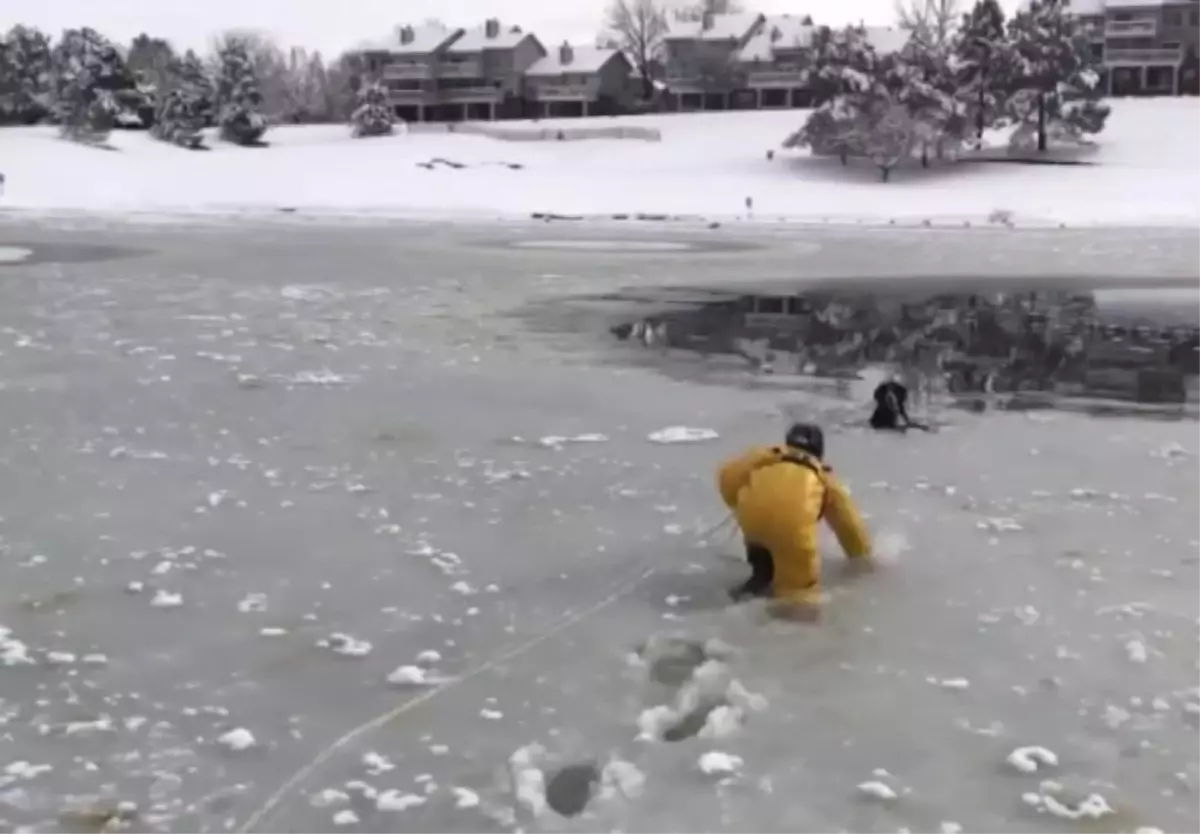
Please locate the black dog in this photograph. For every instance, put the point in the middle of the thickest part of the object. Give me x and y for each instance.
(891, 413)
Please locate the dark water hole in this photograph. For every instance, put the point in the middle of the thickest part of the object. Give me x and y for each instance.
(1107, 349)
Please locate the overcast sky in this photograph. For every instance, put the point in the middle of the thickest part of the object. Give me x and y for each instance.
(334, 25)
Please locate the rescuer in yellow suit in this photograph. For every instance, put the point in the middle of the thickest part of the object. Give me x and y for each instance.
(778, 494)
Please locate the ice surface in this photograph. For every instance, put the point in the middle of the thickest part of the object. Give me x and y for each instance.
(571, 566)
(681, 434)
(706, 164)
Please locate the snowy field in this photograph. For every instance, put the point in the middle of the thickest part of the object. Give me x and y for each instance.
(303, 529)
(1146, 172)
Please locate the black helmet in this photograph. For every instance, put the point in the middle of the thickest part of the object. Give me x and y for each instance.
(807, 437)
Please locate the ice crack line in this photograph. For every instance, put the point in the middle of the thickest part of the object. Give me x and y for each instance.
(568, 620)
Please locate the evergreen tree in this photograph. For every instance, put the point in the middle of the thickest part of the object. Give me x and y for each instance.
(1056, 80)
(924, 82)
(152, 58)
(179, 119)
(865, 112)
(373, 116)
(88, 71)
(981, 51)
(189, 76)
(25, 75)
(238, 96)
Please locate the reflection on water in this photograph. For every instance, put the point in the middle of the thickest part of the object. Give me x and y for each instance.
(1010, 349)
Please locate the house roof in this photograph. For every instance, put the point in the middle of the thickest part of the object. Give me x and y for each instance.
(724, 27)
(476, 39)
(782, 31)
(427, 38)
(584, 59)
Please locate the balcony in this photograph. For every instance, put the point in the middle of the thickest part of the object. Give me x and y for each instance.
(405, 72)
(777, 78)
(1163, 56)
(409, 97)
(460, 69)
(1144, 28)
(470, 94)
(562, 92)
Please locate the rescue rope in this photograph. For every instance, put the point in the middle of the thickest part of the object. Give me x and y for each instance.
(568, 620)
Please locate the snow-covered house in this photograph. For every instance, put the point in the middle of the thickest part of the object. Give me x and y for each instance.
(579, 81)
(482, 73)
(1148, 47)
(775, 61)
(702, 58)
(441, 72)
(407, 64)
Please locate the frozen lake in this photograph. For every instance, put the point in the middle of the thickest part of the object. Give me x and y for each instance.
(253, 472)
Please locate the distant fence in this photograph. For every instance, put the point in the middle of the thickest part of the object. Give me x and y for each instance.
(539, 134)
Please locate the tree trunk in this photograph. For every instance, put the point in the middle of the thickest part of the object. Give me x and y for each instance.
(979, 119)
(885, 172)
(1041, 122)
(647, 84)
(924, 156)
(842, 156)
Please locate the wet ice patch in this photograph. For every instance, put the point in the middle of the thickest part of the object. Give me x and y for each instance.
(890, 545)
(681, 434)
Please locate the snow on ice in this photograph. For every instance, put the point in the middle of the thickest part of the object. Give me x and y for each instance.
(237, 739)
(681, 434)
(717, 762)
(1030, 759)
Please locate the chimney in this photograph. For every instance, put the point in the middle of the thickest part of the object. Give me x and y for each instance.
(406, 34)
(491, 27)
(565, 54)
(706, 21)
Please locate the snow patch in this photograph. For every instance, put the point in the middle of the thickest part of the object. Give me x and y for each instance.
(166, 599)
(398, 801)
(529, 783)
(465, 798)
(876, 790)
(681, 434)
(14, 254)
(716, 762)
(1030, 759)
(346, 645)
(237, 740)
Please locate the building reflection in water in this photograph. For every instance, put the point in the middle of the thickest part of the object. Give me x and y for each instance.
(1060, 343)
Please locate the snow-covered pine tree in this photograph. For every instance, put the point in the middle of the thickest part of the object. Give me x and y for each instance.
(982, 60)
(189, 75)
(238, 97)
(185, 107)
(88, 70)
(1053, 67)
(866, 113)
(923, 81)
(25, 76)
(373, 116)
(1080, 108)
(840, 77)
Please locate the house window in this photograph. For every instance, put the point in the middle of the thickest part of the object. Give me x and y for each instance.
(1121, 17)
(1159, 78)
(1173, 18)
(1097, 51)
(770, 305)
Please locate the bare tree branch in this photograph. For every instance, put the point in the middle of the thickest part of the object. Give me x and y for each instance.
(931, 22)
(638, 28)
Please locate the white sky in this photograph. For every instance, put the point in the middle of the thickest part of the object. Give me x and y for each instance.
(334, 25)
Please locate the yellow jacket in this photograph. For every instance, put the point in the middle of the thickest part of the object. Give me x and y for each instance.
(778, 495)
